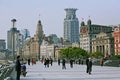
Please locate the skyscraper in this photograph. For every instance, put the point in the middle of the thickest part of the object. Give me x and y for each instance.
(71, 26)
(10, 38)
(25, 33)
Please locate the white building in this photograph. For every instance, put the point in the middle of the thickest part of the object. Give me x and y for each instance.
(47, 50)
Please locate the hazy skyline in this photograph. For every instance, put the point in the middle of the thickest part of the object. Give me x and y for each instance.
(52, 14)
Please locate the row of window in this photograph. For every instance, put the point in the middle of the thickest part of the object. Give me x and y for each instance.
(101, 41)
(117, 50)
(84, 43)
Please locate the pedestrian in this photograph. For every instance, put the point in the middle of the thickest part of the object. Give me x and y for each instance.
(45, 62)
(51, 61)
(23, 69)
(119, 63)
(79, 61)
(33, 61)
(101, 62)
(18, 68)
(29, 61)
(90, 66)
(87, 61)
(71, 63)
(82, 61)
(59, 62)
(63, 64)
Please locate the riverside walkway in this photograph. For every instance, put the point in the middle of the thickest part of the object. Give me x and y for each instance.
(78, 72)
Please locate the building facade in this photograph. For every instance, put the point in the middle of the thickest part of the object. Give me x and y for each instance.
(88, 32)
(71, 26)
(32, 45)
(17, 40)
(2, 44)
(103, 43)
(47, 50)
(117, 40)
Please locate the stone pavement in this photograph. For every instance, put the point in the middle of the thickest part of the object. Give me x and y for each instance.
(78, 72)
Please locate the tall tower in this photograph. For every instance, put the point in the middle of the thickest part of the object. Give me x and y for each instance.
(39, 36)
(39, 30)
(71, 26)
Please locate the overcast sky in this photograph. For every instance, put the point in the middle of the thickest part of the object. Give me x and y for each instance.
(52, 14)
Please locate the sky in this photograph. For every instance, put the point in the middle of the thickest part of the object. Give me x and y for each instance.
(52, 14)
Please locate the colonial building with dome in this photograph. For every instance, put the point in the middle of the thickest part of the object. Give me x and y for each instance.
(88, 32)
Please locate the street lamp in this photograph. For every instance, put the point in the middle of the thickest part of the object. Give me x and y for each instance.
(13, 37)
(28, 44)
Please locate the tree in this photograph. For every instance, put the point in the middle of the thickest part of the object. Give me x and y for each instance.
(73, 53)
(96, 54)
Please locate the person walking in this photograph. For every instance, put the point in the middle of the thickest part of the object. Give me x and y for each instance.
(87, 61)
(47, 62)
(71, 63)
(90, 66)
(28, 61)
(33, 61)
(59, 62)
(101, 62)
(51, 61)
(63, 64)
(79, 61)
(18, 68)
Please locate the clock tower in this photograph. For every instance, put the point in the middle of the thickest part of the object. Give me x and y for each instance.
(88, 32)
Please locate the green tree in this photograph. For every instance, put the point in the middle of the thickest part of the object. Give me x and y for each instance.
(73, 53)
(117, 56)
(96, 54)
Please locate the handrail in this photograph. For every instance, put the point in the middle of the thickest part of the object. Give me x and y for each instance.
(5, 71)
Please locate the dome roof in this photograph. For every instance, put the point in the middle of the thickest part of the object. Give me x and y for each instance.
(82, 23)
(89, 22)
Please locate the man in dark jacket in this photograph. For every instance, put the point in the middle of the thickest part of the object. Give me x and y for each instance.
(59, 62)
(90, 66)
(18, 68)
(87, 61)
(63, 64)
(71, 63)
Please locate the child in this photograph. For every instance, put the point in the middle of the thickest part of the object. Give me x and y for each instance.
(23, 69)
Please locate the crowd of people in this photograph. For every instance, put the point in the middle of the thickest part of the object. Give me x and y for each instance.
(21, 65)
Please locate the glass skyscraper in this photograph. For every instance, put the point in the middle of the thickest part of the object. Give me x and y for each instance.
(71, 26)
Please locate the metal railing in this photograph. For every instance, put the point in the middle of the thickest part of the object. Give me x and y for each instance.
(6, 70)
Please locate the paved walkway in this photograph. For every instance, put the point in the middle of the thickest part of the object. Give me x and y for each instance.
(78, 72)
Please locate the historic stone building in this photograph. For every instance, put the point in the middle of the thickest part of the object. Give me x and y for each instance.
(104, 43)
(47, 50)
(117, 40)
(32, 45)
(88, 32)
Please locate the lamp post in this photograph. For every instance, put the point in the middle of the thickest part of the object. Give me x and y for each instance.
(28, 44)
(20, 47)
(13, 37)
(39, 44)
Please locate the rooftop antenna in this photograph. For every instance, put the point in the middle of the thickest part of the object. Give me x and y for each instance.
(39, 16)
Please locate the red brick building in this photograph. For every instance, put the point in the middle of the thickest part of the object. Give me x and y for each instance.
(117, 41)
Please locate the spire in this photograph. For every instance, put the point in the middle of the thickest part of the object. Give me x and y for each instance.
(89, 21)
(39, 31)
(82, 23)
